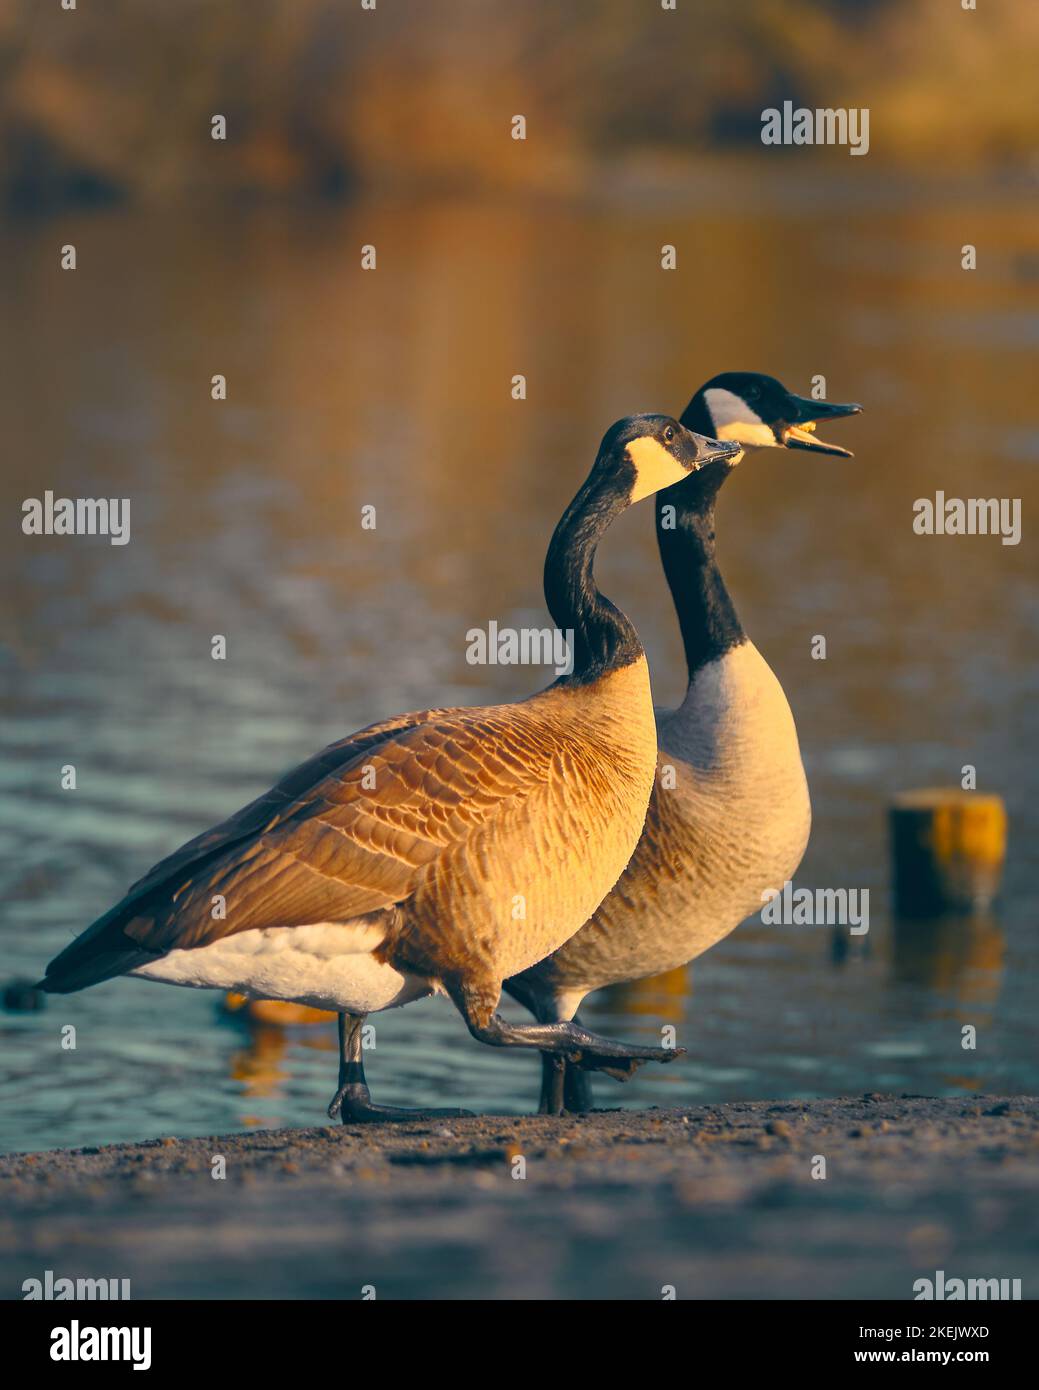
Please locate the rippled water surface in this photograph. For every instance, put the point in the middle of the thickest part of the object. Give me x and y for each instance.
(393, 389)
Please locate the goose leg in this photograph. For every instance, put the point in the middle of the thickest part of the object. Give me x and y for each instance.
(553, 1077)
(565, 1088)
(578, 1098)
(352, 1102)
(576, 1044)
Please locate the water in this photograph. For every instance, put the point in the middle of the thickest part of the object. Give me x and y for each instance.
(393, 389)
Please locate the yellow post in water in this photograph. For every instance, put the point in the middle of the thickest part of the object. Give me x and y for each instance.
(948, 848)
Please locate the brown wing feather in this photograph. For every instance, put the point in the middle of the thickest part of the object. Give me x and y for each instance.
(322, 845)
(267, 807)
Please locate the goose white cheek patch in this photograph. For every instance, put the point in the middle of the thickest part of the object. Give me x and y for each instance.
(734, 419)
(655, 467)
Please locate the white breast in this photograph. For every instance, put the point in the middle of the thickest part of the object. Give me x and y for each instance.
(734, 721)
(729, 818)
(742, 795)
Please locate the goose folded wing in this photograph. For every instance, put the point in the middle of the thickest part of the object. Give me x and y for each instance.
(344, 835)
(267, 808)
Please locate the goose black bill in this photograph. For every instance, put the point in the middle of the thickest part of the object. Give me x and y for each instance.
(797, 431)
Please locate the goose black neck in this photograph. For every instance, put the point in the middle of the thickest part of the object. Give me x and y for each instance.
(603, 638)
(685, 534)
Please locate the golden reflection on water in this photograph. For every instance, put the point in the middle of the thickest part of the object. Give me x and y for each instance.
(260, 1068)
(393, 388)
(662, 996)
(957, 956)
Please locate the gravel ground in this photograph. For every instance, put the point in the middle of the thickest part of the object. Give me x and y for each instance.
(717, 1201)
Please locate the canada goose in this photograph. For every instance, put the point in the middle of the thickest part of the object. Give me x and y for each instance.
(439, 851)
(729, 815)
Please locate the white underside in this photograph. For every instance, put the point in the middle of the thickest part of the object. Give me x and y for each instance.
(325, 965)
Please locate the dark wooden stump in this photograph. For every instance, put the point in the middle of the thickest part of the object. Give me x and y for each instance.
(948, 848)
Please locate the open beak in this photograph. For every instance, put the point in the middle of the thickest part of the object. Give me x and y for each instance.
(798, 430)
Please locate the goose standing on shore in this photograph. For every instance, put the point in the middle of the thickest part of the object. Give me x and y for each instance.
(437, 852)
(729, 815)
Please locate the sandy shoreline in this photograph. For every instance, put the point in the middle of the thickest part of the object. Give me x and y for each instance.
(718, 1201)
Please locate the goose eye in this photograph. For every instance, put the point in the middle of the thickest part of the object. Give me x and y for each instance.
(669, 434)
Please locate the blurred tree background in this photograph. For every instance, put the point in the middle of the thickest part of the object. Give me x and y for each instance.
(113, 100)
